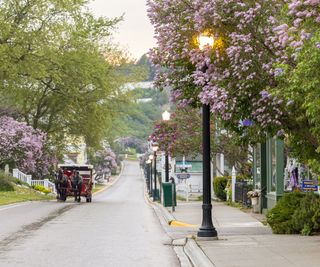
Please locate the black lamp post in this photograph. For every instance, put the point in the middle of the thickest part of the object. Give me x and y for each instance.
(207, 230)
(166, 117)
(150, 171)
(155, 148)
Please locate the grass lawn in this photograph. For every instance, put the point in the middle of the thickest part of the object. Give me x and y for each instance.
(21, 194)
(98, 187)
(132, 157)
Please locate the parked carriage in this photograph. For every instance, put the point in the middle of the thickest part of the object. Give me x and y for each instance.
(68, 182)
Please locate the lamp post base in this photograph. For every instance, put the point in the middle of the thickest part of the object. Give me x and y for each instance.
(207, 234)
(207, 229)
(155, 195)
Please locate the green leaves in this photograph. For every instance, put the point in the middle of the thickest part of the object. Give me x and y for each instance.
(55, 67)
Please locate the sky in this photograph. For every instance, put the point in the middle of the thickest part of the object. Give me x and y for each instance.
(135, 33)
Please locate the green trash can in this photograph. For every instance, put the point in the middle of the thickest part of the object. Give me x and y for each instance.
(167, 194)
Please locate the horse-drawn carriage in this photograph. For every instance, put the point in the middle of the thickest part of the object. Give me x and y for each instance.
(74, 180)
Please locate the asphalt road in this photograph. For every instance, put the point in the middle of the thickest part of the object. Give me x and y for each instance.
(117, 229)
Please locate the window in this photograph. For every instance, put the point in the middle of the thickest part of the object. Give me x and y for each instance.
(258, 166)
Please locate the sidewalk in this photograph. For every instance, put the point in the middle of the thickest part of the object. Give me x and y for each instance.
(245, 241)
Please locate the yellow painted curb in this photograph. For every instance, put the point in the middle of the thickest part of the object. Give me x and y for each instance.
(175, 223)
(107, 186)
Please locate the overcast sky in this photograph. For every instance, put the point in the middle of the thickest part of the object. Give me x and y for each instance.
(135, 33)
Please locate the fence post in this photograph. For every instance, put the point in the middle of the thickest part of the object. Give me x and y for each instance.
(29, 178)
(46, 183)
(6, 169)
(187, 190)
(15, 173)
(233, 173)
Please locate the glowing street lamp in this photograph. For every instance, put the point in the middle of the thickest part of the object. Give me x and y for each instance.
(166, 117)
(205, 39)
(150, 160)
(207, 229)
(155, 148)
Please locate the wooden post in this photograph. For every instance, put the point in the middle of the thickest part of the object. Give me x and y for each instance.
(234, 179)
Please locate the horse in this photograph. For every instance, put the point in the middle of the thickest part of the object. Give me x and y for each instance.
(61, 183)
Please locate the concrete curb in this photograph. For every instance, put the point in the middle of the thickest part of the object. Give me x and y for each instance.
(196, 254)
(166, 214)
(187, 250)
(112, 183)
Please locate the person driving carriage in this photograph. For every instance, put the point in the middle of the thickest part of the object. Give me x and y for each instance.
(77, 186)
(61, 184)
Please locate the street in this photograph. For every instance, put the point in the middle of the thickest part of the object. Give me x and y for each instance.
(118, 228)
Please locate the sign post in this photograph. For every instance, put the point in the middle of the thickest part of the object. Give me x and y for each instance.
(183, 175)
(233, 173)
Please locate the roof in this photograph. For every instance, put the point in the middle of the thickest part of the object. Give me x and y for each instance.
(76, 166)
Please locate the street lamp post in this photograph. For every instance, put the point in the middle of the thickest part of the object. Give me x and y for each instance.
(150, 190)
(148, 162)
(166, 117)
(207, 230)
(155, 148)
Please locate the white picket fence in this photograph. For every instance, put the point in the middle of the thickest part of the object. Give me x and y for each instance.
(183, 189)
(28, 179)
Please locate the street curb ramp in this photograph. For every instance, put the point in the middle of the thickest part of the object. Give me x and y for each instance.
(196, 254)
(191, 249)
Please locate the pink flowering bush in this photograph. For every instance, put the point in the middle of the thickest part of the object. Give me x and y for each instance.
(23, 147)
(181, 135)
(104, 161)
(165, 134)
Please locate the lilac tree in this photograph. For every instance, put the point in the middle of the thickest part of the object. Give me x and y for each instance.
(238, 69)
(245, 77)
(104, 161)
(23, 147)
(182, 135)
(133, 142)
(298, 81)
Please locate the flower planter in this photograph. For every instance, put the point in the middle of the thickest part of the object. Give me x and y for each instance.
(254, 201)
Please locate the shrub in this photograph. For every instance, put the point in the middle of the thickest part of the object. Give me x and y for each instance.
(6, 183)
(41, 189)
(280, 218)
(19, 182)
(219, 185)
(306, 219)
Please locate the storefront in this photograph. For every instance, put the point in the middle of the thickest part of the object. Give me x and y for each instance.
(268, 171)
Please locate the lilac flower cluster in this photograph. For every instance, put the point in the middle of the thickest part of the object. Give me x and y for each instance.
(23, 147)
(106, 159)
(165, 134)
